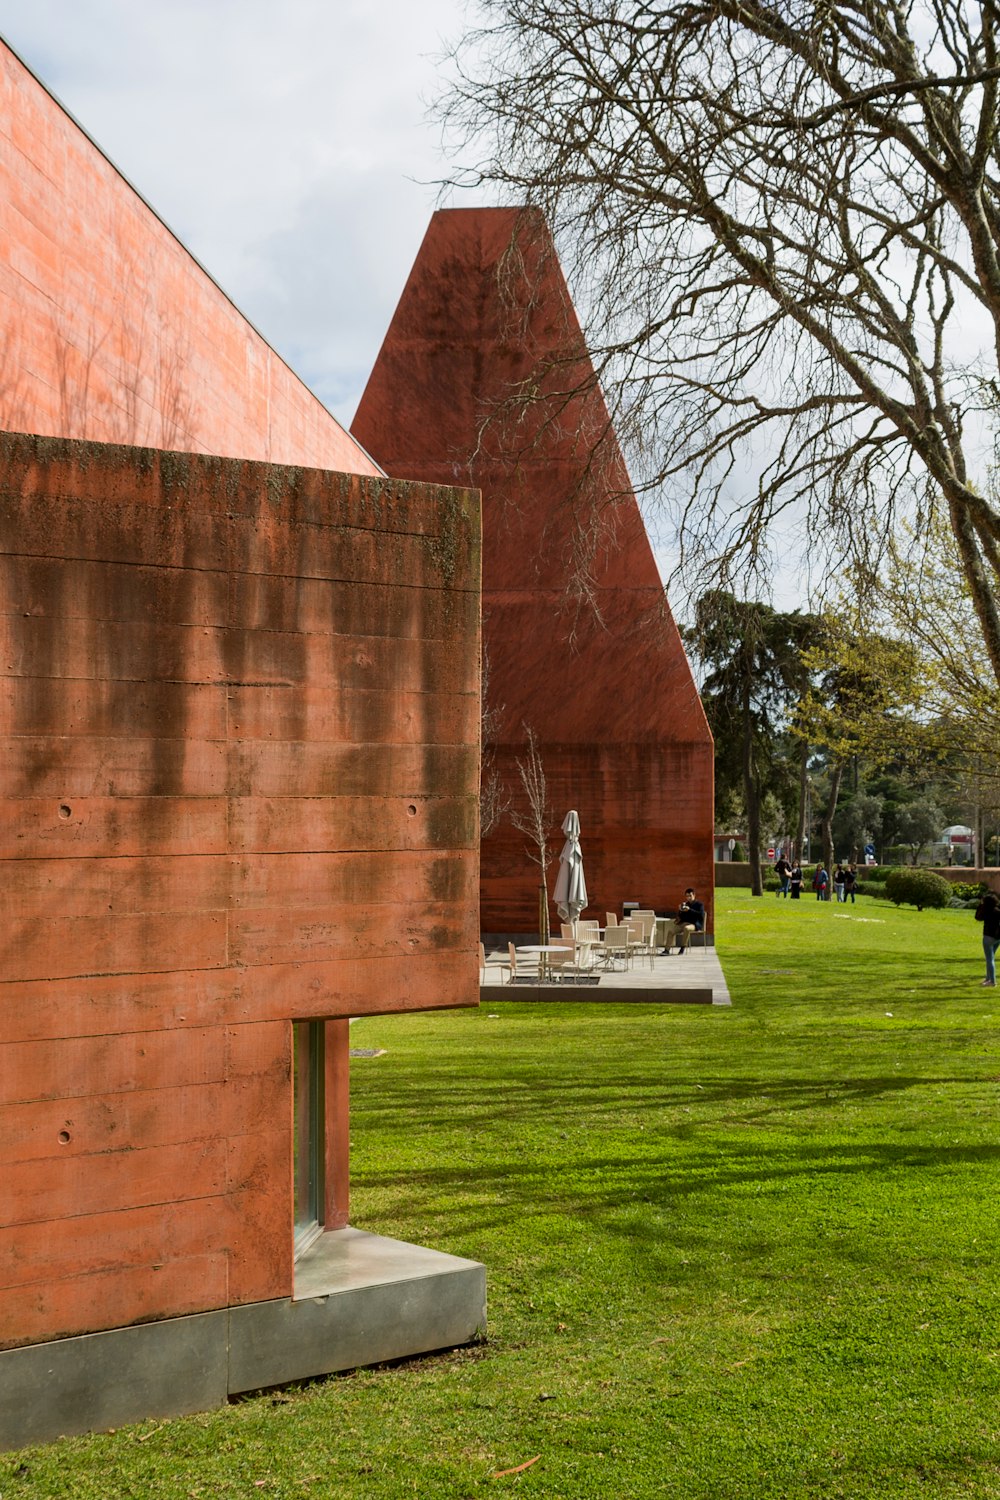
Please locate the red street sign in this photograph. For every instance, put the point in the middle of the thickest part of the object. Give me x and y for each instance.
(770, 853)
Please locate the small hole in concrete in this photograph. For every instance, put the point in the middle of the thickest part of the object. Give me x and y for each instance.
(65, 811)
(411, 810)
(64, 1137)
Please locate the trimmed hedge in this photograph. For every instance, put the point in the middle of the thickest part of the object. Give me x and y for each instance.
(968, 890)
(918, 888)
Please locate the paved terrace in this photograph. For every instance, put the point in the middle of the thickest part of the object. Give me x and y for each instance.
(694, 978)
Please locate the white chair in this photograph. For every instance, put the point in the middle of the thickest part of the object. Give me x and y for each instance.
(588, 944)
(617, 948)
(644, 943)
(511, 963)
(561, 964)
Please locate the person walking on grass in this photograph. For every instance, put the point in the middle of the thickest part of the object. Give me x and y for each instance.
(821, 882)
(795, 881)
(850, 883)
(988, 912)
(839, 880)
(783, 871)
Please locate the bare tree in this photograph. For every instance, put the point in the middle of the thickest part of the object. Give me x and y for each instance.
(536, 823)
(782, 222)
(494, 799)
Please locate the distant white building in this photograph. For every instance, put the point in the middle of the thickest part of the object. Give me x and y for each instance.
(959, 843)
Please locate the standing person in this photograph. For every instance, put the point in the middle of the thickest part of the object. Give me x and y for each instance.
(850, 882)
(839, 880)
(988, 912)
(795, 881)
(783, 871)
(821, 882)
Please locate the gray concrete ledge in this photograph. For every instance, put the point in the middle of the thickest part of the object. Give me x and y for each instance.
(100, 1380)
(567, 991)
(692, 978)
(359, 1299)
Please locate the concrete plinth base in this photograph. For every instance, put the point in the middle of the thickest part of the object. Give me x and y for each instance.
(604, 994)
(359, 1299)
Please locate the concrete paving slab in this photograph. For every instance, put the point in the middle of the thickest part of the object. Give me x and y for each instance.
(692, 978)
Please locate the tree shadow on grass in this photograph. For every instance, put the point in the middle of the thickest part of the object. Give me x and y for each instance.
(448, 1099)
(633, 1192)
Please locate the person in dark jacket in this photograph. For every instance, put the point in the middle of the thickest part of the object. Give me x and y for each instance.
(988, 912)
(690, 918)
(795, 881)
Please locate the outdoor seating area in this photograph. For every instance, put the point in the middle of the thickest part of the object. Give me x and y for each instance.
(585, 949)
(588, 967)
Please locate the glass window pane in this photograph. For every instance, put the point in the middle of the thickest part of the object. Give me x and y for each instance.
(307, 1084)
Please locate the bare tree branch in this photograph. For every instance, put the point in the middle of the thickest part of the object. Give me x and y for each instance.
(782, 226)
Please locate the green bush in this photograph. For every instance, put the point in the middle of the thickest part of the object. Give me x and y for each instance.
(739, 853)
(874, 872)
(918, 888)
(968, 890)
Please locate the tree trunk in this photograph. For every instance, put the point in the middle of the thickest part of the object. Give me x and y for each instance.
(543, 911)
(836, 776)
(751, 796)
(800, 829)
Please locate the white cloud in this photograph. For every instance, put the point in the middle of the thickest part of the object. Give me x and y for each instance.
(287, 146)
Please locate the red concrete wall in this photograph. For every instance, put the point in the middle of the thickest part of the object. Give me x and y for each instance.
(603, 680)
(238, 786)
(111, 331)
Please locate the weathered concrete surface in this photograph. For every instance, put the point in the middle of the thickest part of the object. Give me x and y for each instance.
(609, 693)
(359, 1299)
(111, 329)
(239, 709)
(103, 1380)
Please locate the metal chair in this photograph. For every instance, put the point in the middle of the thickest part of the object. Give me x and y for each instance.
(562, 965)
(617, 947)
(511, 963)
(644, 946)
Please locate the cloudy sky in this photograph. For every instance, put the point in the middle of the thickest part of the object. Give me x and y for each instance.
(287, 145)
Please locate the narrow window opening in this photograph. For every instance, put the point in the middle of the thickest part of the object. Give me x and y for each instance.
(308, 1074)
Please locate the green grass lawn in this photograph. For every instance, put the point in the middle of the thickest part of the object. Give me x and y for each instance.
(731, 1253)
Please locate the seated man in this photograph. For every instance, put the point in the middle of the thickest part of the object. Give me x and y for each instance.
(690, 918)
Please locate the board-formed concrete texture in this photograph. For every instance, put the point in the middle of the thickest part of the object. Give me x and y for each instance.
(358, 1299)
(111, 329)
(239, 710)
(607, 690)
(239, 722)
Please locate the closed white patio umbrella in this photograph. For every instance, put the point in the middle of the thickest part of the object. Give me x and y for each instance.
(570, 894)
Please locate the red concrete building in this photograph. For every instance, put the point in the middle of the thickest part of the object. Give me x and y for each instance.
(111, 329)
(579, 638)
(239, 712)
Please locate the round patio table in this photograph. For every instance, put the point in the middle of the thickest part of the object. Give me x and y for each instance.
(542, 949)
